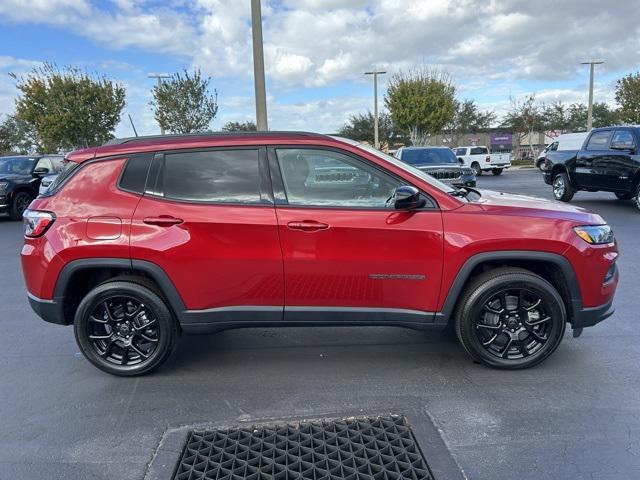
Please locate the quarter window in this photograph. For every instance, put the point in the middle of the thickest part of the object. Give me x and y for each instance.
(329, 178)
(599, 140)
(225, 176)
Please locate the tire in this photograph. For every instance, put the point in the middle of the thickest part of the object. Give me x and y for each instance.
(496, 171)
(132, 327)
(19, 204)
(518, 342)
(475, 166)
(562, 189)
(539, 164)
(637, 196)
(624, 196)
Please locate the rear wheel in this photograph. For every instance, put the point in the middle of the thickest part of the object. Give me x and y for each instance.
(496, 171)
(475, 166)
(19, 204)
(624, 196)
(125, 328)
(562, 189)
(510, 318)
(637, 197)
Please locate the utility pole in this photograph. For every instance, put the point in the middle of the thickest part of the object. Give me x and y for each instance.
(258, 67)
(376, 142)
(592, 65)
(159, 77)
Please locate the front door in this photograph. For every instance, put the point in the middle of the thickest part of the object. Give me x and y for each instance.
(621, 163)
(348, 255)
(208, 220)
(591, 162)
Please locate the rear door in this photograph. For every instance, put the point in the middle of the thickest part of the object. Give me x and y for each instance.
(207, 219)
(622, 161)
(590, 169)
(348, 255)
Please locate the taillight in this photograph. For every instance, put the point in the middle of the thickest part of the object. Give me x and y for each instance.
(488, 159)
(37, 222)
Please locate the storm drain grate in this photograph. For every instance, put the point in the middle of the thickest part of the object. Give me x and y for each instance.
(382, 448)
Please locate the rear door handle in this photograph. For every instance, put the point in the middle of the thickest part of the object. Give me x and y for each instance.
(163, 221)
(307, 225)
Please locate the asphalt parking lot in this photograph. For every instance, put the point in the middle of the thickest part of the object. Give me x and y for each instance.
(575, 416)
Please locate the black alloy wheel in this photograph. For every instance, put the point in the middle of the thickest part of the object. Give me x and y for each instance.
(21, 201)
(124, 328)
(510, 318)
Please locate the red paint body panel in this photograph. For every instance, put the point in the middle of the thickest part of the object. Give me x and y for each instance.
(233, 255)
(220, 255)
(365, 258)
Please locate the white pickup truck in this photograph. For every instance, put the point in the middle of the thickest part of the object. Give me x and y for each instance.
(480, 160)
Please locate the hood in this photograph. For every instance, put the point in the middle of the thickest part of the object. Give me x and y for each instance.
(515, 204)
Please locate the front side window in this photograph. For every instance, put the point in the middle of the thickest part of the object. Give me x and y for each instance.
(599, 140)
(225, 176)
(316, 177)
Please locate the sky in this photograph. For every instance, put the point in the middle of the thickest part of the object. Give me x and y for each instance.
(316, 51)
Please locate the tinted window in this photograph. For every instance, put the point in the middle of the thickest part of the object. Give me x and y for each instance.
(213, 176)
(328, 178)
(461, 152)
(553, 147)
(599, 140)
(622, 139)
(479, 151)
(428, 156)
(135, 172)
(16, 165)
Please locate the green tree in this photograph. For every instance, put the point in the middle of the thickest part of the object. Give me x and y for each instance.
(628, 98)
(68, 108)
(573, 118)
(16, 137)
(524, 117)
(468, 118)
(239, 127)
(183, 103)
(361, 127)
(421, 102)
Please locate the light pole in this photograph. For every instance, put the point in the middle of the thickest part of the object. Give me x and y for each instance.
(159, 77)
(592, 65)
(376, 142)
(258, 67)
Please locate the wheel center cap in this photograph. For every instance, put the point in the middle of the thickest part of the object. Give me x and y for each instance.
(512, 323)
(123, 330)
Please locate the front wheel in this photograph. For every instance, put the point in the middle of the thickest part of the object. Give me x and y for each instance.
(496, 171)
(19, 204)
(124, 328)
(624, 196)
(510, 318)
(562, 189)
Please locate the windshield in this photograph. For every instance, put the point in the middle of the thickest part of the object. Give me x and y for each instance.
(400, 164)
(16, 165)
(428, 156)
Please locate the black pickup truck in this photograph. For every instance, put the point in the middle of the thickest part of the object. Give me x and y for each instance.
(609, 161)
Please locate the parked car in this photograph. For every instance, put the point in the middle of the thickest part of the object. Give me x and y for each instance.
(20, 178)
(608, 161)
(480, 160)
(201, 233)
(439, 162)
(49, 179)
(566, 141)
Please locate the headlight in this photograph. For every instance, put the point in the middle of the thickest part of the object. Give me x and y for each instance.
(595, 234)
(3, 186)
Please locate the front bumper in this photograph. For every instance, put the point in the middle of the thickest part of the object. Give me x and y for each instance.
(588, 317)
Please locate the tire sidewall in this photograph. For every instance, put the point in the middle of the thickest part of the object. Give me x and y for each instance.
(151, 302)
(637, 197)
(14, 214)
(473, 308)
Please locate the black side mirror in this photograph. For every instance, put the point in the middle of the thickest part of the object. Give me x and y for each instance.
(408, 198)
(460, 160)
(41, 171)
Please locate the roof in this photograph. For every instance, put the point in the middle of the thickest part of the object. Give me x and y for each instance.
(131, 145)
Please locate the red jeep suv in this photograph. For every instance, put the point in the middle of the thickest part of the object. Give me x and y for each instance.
(145, 238)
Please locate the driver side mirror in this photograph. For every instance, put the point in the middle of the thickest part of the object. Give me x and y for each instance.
(460, 160)
(41, 171)
(408, 198)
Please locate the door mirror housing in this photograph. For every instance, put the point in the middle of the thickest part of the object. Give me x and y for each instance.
(407, 197)
(461, 160)
(41, 171)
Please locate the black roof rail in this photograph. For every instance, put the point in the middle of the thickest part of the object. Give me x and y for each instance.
(121, 141)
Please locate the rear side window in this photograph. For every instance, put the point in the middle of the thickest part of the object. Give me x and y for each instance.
(224, 176)
(134, 176)
(622, 139)
(479, 151)
(599, 140)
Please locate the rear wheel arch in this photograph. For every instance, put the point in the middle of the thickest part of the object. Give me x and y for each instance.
(554, 268)
(79, 277)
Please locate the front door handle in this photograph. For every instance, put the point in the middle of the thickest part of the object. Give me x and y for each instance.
(307, 226)
(163, 221)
